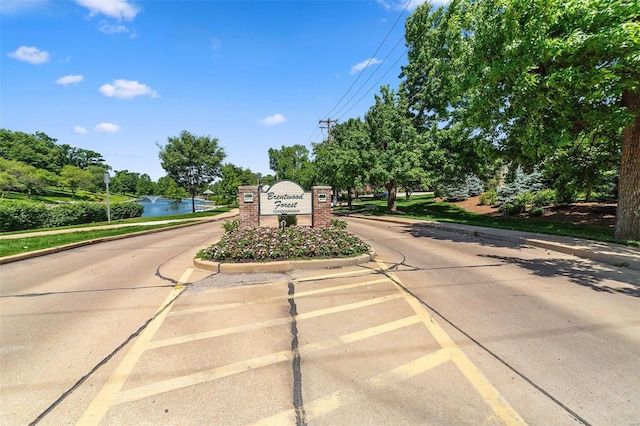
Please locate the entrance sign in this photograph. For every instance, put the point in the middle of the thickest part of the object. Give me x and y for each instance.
(285, 197)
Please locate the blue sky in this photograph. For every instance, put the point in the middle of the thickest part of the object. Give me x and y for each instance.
(118, 76)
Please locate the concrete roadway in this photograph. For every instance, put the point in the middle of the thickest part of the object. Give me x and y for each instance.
(442, 329)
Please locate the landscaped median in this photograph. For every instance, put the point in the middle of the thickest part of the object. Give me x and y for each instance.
(280, 250)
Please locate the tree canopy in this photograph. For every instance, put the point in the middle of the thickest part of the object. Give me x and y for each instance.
(534, 82)
(292, 163)
(192, 161)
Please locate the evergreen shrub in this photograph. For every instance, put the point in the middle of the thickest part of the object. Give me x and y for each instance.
(21, 215)
(520, 183)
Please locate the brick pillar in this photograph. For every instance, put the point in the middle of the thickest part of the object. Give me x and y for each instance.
(249, 206)
(321, 204)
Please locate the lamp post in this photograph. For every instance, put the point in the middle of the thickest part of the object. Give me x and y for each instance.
(107, 178)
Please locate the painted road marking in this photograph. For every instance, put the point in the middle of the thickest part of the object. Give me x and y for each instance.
(263, 361)
(270, 323)
(335, 400)
(109, 392)
(112, 393)
(274, 298)
(490, 394)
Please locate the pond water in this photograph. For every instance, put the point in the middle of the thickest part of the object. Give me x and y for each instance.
(165, 207)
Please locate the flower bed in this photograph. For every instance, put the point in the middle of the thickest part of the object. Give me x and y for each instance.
(269, 244)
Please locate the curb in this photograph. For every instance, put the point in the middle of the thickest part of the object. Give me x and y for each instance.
(281, 265)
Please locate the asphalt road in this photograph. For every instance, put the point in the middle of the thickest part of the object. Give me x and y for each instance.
(539, 324)
(442, 329)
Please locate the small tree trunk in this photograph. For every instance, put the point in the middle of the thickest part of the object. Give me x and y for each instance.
(193, 203)
(350, 197)
(628, 214)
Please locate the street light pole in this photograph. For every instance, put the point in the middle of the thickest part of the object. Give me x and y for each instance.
(107, 178)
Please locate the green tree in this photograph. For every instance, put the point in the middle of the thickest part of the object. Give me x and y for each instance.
(175, 192)
(339, 162)
(124, 182)
(292, 163)
(145, 186)
(96, 179)
(232, 176)
(38, 149)
(529, 79)
(438, 42)
(547, 74)
(192, 161)
(74, 177)
(394, 152)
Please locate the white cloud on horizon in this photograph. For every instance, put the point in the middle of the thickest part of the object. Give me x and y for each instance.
(274, 119)
(364, 64)
(110, 29)
(69, 79)
(107, 128)
(126, 89)
(121, 10)
(413, 4)
(19, 6)
(80, 130)
(30, 54)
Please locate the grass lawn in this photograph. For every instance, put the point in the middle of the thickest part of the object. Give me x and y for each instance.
(426, 207)
(11, 246)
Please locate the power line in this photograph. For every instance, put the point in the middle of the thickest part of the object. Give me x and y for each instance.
(371, 59)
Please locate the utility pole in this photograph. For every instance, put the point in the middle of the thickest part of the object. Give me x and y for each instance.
(328, 121)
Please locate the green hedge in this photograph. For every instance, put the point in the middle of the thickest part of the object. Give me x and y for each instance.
(22, 215)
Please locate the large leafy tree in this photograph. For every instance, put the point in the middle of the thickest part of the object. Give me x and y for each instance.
(394, 152)
(339, 162)
(74, 177)
(125, 181)
(192, 161)
(550, 73)
(438, 41)
(38, 149)
(145, 186)
(535, 79)
(292, 163)
(233, 177)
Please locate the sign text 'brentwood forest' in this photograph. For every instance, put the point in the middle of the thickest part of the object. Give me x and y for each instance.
(285, 197)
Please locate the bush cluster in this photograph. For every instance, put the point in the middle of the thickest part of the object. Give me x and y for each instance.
(269, 244)
(23, 215)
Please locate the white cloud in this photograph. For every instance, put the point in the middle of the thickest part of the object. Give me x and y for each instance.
(273, 120)
(364, 64)
(33, 55)
(20, 6)
(107, 128)
(126, 89)
(108, 28)
(413, 4)
(80, 130)
(70, 79)
(118, 9)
